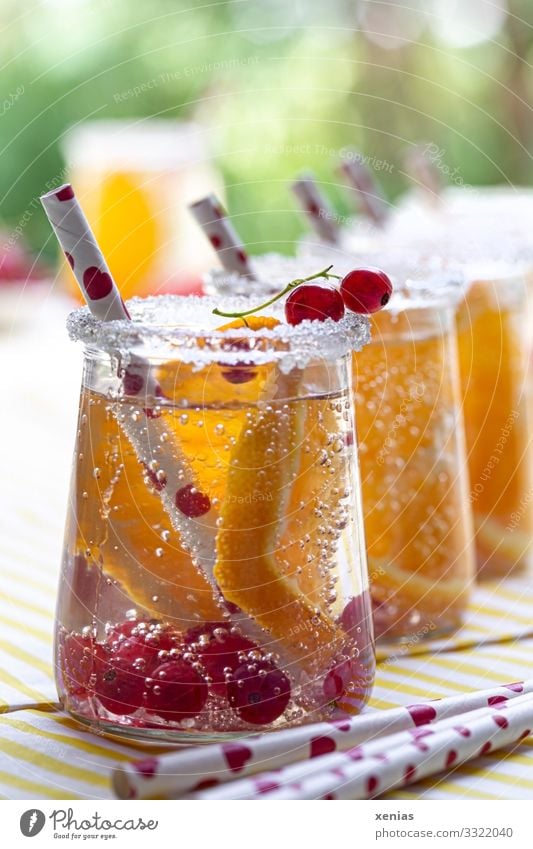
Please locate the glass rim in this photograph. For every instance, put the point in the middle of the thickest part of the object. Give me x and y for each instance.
(435, 288)
(154, 328)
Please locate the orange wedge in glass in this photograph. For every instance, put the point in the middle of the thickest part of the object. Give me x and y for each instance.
(248, 568)
(122, 525)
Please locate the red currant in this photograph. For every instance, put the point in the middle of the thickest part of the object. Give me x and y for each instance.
(192, 502)
(356, 614)
(175, 691)
(219, 651)
(119, 687)
(77, 658)
(366, 290)
(313, 303)
(259, 692)
(240, 373)
(143, 646)
(338, 679)
(121, 631)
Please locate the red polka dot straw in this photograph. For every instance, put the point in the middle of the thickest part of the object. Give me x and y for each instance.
(369, 195)
(317, 209)
(83, 254)
(219, 230)
(168, 472)
(299, 752)
(339, 776)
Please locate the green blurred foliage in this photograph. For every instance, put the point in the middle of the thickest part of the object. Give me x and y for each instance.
(282, 86)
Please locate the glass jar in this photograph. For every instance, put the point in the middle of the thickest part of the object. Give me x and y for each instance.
(492, 324)
(214, 577)
(417, 515)
(414, 474)
(135, 179)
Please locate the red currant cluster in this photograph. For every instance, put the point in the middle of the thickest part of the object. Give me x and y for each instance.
(363, 290)
(170, 675)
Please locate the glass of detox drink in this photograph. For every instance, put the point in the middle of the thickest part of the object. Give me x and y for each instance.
(417, 516)
(135, 179)
(494, 352)
(418, 520)
(481, 235)
(214, 578)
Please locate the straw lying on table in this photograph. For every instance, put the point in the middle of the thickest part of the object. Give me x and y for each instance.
(215, 224)
(148, 434)
(396, 760)
(183, 772)
(317, 209)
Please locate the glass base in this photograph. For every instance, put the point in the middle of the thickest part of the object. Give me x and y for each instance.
(408, 639)
(182, 737)
(164, 736)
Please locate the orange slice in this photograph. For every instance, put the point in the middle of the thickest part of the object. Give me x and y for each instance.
(262, 468)
(119, 521)
(252, 322)
(321, 479)
(414, 590)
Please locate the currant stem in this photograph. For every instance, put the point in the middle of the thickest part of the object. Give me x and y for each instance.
(325, 273)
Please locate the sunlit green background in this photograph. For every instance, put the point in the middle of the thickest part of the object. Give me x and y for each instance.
(282, 84)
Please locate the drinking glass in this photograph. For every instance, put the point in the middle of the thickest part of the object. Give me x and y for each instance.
(492, 323)
(214, 577)
(414, 474)
(417, 517)
(135, 180)
(493, 254)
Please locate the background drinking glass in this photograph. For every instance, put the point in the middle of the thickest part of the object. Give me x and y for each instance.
(135, 180)
(418, 520)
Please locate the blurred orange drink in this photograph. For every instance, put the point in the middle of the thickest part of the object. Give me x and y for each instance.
(135, 180)
(493, 356)
(414, 480)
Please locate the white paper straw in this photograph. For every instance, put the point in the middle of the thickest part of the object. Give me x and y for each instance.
(180, 772)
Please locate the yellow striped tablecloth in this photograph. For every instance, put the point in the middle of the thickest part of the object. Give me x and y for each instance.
(43, 753)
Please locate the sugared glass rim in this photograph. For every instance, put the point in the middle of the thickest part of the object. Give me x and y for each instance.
(185, 327)
(435, 288)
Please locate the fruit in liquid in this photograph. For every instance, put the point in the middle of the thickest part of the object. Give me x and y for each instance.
(493, 363)
(414, 485)
(293, 612)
